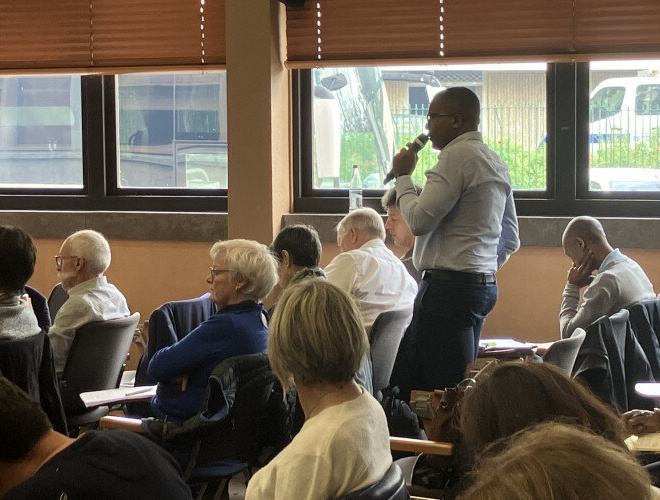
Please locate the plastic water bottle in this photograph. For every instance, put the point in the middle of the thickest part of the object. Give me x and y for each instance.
(355, 191)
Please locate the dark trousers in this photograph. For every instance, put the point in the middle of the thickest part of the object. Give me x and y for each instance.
(444, 334)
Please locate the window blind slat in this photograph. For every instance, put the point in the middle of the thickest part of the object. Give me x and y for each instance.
(42, 34)
(373, 30)
(514, 27)
(155, 32)
(363, 30)
(615, 26)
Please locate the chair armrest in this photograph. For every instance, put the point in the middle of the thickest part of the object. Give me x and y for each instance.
(122, 423)
(419, 446)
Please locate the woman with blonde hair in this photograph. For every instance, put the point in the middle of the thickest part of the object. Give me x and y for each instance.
(242, 274)
(316, 343)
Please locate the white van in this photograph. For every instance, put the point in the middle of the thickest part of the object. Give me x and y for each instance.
(624, 107)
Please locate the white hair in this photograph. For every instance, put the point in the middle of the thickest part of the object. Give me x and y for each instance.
(252, 261)
(366, 220)
(93, 248)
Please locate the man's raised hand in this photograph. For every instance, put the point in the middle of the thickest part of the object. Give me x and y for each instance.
(580, 273)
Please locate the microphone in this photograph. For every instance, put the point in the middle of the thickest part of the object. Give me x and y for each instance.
(417, 145)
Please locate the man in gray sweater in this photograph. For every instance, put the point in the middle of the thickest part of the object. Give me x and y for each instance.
(618, 284)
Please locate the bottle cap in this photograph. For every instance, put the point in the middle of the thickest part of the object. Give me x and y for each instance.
(355, 165)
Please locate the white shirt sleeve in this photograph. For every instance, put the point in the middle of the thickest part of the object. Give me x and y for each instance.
(509, 239)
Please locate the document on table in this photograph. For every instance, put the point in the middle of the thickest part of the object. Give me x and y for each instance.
(504, 343)
(109, 396)
(647, 442)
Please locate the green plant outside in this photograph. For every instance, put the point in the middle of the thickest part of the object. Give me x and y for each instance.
(619, 152)
(527, 167)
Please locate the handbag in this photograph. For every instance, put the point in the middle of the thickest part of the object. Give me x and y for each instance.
(439, 410)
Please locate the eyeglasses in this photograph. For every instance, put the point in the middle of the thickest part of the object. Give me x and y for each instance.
(215, 272)
(433, 115)
(60, 258)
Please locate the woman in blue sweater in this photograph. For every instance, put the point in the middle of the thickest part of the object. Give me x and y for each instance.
(242, 274)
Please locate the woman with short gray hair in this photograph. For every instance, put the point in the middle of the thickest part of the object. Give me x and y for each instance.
(243, 272)
(316, 343)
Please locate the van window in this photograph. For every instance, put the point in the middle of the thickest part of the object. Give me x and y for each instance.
(607, 102)
(647, 100)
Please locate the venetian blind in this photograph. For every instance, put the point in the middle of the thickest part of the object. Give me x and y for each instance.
(98, 35)
(327, 32)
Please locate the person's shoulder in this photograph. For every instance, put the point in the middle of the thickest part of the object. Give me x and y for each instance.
(349, 257)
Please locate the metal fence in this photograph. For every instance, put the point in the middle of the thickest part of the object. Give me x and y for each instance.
(516, 133)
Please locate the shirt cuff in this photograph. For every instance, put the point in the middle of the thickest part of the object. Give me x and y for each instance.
(402, 183)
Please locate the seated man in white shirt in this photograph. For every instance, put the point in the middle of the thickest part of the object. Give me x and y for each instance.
(367, 269)
(620, 281)
(370, 273)
(83, 258)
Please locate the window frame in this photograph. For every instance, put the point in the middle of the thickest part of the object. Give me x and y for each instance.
(100, 190)
(567, 168)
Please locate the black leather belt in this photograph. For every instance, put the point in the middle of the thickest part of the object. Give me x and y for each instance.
(459, 276)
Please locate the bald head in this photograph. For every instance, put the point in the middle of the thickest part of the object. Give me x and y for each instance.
(582, 235)
(585, 228)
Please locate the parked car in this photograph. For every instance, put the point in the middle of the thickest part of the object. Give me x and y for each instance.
(624, 107)
(624, 179)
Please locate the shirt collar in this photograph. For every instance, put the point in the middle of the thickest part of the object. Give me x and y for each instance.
(376, 242)
(611, 257)
(81, 288)
(467, 136)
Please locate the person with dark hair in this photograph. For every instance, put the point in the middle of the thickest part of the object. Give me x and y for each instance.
(297, 249)
(466, 228)
(17, 259)
(619, 283)
(38, 462)
(517, 395)
(556, 461)
(401, 233)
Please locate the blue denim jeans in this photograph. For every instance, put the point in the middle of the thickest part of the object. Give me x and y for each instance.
(444, 334)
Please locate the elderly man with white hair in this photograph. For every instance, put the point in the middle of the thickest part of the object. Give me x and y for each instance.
(83, 258)
(367, 269)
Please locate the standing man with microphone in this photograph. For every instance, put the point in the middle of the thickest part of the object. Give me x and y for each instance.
(466, 228)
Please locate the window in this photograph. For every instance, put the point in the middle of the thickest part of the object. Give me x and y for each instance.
(578, 139)
(159, 144)
(363, 115)
(624, 127)
(41, 132)
(172, 130)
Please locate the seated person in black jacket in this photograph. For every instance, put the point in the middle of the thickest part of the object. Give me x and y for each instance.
(37, 462)
(17, 319)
